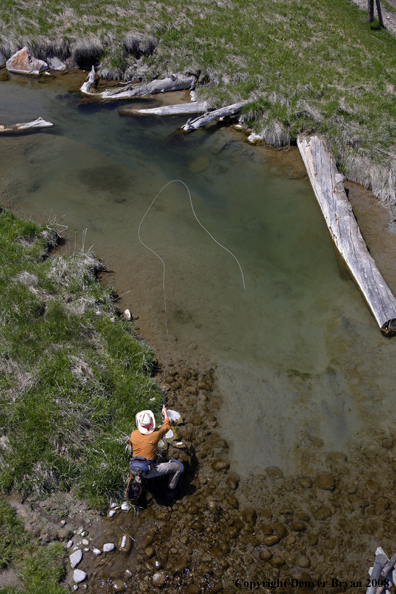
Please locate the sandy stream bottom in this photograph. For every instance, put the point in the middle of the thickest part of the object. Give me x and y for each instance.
(289, 440)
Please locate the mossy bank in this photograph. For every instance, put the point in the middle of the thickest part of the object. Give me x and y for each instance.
(303, 65)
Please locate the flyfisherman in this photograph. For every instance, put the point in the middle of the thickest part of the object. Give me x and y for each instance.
(144, 441)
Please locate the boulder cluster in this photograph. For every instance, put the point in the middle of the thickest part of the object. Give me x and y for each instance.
(22, 62)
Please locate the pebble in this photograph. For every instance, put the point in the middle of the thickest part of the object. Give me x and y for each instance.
(270, 541)
(112, 513)
(80, 531)
(159, 579)
(220, 464)
(75, 587)
(265, 555)
(108, 547)
(119, 585)
(125, 506)
(63, 522)
(85, 542)
(304, 562)
(79, 576)
(69, 544)
(75, 558)
(324, 480)
(96, 551)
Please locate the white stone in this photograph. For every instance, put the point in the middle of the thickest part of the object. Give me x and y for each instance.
(169, 434)
(253, 138)
(75, 558)
(174, 416)
(127, 315)
(112, 513)
(86, 549)
(80, 530)
(128, 572)
(63, 522)
(125, 506)
(123, 541)
(108, 547)
(75, 587)
(113, 505)
(85, 542)
(69, 544)
(55, 64)
(79, 576)
(96, 551)
(193, 95)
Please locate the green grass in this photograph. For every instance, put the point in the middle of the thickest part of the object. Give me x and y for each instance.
(72, 375)
(40, 568)
(316, 66)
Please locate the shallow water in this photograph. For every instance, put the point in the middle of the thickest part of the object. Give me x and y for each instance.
(299, 356)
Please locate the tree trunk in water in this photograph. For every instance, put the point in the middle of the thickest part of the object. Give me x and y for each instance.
(371, 10)
(328, 186)
(381, 22)
(213, 115)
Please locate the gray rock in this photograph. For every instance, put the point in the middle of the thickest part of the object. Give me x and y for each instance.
(159, 579)
(24, 63)
(108, 547)
(79, 576)
(96, 551)
(55, 64)
(75, 558)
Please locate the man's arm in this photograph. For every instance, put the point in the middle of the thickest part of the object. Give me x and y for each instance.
(166, 424)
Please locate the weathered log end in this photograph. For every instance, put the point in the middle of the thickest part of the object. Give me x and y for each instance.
(328, 186)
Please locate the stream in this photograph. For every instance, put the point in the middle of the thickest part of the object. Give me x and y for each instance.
(302, 370)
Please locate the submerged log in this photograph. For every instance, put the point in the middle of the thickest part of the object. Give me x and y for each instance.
(209, 116)
(328, 186)
(26, 127)
(181, 108)
(166, 85)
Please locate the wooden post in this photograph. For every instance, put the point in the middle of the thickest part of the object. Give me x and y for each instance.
(371, 10)
(381, 22)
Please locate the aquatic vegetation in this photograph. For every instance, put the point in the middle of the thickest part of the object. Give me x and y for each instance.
(72, 375)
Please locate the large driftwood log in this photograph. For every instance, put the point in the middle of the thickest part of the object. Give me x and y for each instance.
(181, 108)
(208, 117)
(26, 127)
(328, 186)
(166, 85)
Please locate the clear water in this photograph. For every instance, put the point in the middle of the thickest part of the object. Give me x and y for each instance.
(301, 364)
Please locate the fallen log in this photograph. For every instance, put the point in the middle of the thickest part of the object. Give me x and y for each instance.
(209, 116)
(181, 108)
(328, 186)
(25, 127)
(166, 85)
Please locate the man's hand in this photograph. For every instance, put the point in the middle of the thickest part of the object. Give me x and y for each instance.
(164, 412)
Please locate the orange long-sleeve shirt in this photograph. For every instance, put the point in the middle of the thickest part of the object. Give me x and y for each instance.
(146, 445)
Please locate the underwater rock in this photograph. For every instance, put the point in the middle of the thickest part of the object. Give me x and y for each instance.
(199, 165)
(24, 63)
(265, 555)
(125, 543)
(220, 465)
(249, 515)
(118, 585)
(270, 541)
(324, 480)
(159, 579)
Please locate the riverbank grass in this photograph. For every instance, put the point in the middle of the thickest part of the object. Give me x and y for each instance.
(72, 375)
(303, 65)
(39, 568)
